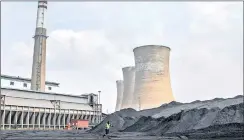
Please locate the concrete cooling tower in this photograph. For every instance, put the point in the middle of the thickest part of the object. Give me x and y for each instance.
(120, 90)
(152, 78)
(129, 81)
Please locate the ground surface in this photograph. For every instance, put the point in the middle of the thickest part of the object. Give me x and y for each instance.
(71, 135)
(79, 135)
(213, 119)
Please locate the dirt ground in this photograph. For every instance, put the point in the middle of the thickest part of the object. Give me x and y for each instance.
(79, 135)
(71, 135)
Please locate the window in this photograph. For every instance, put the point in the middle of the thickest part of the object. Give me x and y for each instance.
(49, 88)
(25, 84)
(11, 83)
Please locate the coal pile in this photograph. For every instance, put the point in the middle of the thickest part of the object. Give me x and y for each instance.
(193, 119)
(119, 121)
(150, 112)
(223, 131)
(144, 124)
(178, 118)
(217, 102)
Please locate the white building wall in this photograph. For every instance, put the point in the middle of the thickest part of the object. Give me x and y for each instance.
(20, 85)
(43, 96)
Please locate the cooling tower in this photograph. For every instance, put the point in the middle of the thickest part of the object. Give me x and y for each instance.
(129, 80)
(152, 78)
(120, 90)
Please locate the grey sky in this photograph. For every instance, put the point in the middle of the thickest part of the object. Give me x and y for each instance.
(89, 43)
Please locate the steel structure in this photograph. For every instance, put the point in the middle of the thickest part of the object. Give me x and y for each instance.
(120, 90)
(39, 56)
(152, 77)
(129, 81)
(23, 109)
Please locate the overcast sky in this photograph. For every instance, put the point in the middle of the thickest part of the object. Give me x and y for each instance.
(89, 43)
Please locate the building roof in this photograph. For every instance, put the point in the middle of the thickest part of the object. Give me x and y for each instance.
(8, 77)
(50, 93)
(86, 94)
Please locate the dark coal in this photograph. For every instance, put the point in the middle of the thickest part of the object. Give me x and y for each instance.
(179, 118)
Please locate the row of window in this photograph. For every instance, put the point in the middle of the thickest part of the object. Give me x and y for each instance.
(25, 85)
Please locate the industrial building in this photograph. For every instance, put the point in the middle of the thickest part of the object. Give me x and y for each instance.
(120, 90)
(25, 83)
(152, 77)
(129, 81)
(28, 109)
(32, 103)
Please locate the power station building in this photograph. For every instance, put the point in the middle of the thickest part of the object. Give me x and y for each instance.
(28, 109)
(32, 103)
(152, 77)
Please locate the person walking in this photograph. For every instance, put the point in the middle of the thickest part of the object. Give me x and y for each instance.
(107, 127)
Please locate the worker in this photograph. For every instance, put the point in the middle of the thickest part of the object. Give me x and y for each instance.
(107, 126)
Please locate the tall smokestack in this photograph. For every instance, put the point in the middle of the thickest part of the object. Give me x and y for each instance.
(39, 55)
(152, 77)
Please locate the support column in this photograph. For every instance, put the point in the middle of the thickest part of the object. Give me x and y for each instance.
(28, 118)
(22, 118)
(54, 119)
(59, 119)
(81, 116)
(64, 115)
(4, 113)
(9, 117)
(16, 118)
(68, 117)
(85, 115)
(34, 118)
(44, 119)
(93, 117)
(89, 116)
(77, 115)
(49, 118)
(73, 117)
(39, 119)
